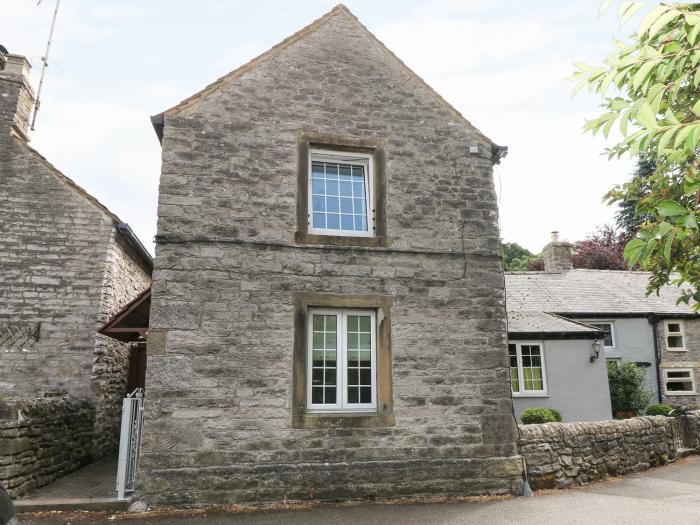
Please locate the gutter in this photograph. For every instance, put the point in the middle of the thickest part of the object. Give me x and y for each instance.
(130, 237)
(653, 320)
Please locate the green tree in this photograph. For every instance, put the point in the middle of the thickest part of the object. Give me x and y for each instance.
(627, 218)
(656, 105)
(515, 257)
(627, 393)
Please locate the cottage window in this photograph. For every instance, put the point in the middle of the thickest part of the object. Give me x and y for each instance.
(607, 329)
(675, 337)
(341, 360)
(679, 381)
(527, 373)
(340, 187)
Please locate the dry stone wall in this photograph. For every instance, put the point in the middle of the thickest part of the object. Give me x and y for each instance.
(563, 454)
(42, 440)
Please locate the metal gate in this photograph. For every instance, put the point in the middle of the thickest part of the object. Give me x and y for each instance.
(129, 442)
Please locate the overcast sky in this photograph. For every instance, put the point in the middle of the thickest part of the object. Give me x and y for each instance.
(502, 63)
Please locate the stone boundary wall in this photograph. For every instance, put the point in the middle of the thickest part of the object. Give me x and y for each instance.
(562, 454)
(42, 440)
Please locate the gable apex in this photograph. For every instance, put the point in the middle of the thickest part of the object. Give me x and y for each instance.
(338, 10)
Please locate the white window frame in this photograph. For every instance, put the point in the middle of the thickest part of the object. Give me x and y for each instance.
(359, 159)
(612, 331)
(691, 372)
(341, 404)
(668, 333)
(521, 377)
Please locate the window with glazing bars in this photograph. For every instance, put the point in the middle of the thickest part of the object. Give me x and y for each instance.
(340, 194)
(341, 360)
(527, 375)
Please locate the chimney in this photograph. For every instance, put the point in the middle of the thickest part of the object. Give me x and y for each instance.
(16, 94)
(557, 255)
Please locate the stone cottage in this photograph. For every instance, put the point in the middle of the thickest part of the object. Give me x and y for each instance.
(66, 264)
(327, 314)
(652, 331)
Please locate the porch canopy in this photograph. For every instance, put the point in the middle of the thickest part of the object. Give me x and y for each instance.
(131, 322)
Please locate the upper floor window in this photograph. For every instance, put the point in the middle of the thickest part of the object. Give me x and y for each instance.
(675, 336)
(340, 193)
(527, 374)
(607, 329)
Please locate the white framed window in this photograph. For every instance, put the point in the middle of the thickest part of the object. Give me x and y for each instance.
(679, 381)
(527, 373)
(342, 361)
(675, 336)
(608, 330)
(340, 193)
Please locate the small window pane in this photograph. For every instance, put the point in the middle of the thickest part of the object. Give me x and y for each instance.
(333, 222)
(345, 172)
(674, 327)
(353, 341)
(346, 188)
(317, 376)
(317, 187)
(317, 395)
(319, 340)
(365, 358)
(353, 394)
(353, 357)
(353, 376)
(680, 374)
(353, 323)
(365, 394)
(330, 395)
(330, 377)
(365, 323)
(346, 205)
(332, 204)
(358, 189)
(346, 222)
(331, 340)
(365, 376)
(365, 341)
(319, 220)
(675, 341)
(319, 203)
(331, 187)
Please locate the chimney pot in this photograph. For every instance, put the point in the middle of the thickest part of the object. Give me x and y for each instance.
(17, 96)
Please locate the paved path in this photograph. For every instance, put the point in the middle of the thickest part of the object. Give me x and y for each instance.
(669, 494)
(97, 480)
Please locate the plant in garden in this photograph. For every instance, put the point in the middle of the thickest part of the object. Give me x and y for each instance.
(656, 106)
(659, 409)
(535, 416)
(515, 257)
(627, 393)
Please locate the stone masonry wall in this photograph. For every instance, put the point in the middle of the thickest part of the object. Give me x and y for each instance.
(53, 246)
(563, 454)
(686, 359)
(126, 276)
(42, 440)
(220, 371)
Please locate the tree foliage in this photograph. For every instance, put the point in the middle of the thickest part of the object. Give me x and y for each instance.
(601, 250)
(515, 257)
(627, 393)
(628, 219)
(656, 106)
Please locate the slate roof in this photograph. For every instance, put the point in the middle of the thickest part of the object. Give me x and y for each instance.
(590, 292)
(543, 324)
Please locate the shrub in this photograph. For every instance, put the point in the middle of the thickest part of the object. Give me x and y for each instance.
(534, 416)
(659, 409)
(627, 392)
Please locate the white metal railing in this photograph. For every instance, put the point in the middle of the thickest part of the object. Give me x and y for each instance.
(129, 442)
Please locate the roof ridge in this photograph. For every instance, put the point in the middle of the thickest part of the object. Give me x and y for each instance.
(310, 28)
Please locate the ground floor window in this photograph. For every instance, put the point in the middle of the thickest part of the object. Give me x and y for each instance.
(527, 373)
(679, 381)
(341, 360)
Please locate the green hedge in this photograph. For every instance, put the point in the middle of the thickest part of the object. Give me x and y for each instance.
(659, 409)
(534, 416)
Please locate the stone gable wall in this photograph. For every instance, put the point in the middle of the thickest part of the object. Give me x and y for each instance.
(220, 373)
(42, 440)
(53, 250)
(562, 454)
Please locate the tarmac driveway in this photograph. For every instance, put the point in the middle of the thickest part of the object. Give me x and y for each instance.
(668, 494)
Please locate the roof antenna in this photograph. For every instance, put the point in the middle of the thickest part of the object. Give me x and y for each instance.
(45, 60)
